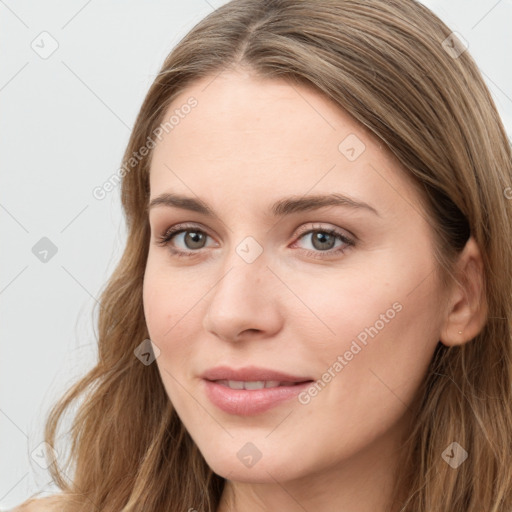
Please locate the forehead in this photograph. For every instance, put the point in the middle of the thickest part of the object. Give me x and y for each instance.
(263, 137)
(237, 105)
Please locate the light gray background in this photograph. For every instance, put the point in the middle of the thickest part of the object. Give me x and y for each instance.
(66, 120)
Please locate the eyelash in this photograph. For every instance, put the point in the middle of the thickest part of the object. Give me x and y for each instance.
(163, 240)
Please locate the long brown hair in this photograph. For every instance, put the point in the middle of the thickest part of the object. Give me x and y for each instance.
(389, 65)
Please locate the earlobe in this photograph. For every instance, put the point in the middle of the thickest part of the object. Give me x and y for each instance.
(466, 310)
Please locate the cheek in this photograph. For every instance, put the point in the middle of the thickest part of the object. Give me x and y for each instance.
(383, 322)
(167, 300)
(159, 313)
(173, 309)
(387, 336)
(165, 311)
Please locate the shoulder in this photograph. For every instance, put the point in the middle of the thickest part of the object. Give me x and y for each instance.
(46, 504)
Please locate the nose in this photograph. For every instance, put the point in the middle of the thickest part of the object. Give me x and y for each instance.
(244, 303)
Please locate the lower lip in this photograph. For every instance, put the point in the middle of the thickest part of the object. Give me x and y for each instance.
(246, 402)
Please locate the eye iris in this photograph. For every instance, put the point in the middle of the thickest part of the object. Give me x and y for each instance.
(195, 237)
(320, 236)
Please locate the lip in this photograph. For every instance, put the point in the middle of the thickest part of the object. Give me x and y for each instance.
(248, 402)
(251, 373)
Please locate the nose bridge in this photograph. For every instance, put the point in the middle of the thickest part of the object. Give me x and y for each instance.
(244, 271)
(240, 299)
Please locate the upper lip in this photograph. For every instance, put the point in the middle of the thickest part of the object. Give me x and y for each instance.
(250, 373)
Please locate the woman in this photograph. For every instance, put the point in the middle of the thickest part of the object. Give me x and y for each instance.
(313, 309)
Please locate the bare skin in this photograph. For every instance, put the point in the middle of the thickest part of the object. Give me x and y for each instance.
(299, 304)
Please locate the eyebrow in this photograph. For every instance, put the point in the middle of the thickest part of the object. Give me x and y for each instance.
(280, 208)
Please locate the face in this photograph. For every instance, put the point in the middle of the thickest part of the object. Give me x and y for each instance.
(343, 298)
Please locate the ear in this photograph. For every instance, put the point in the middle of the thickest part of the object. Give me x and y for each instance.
(466, 305)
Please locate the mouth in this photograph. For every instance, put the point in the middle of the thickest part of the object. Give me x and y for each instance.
(250, 390)
(257, 384)
(252, 374)
(242, 397)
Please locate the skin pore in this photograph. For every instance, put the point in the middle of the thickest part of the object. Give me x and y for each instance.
(296, 305)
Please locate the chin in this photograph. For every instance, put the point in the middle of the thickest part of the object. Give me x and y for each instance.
(265, 470)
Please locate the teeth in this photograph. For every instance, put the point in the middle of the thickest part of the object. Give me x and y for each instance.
(235, 384)
(259, 384)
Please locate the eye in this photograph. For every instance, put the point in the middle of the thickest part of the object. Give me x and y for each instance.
(194, 239)
(323, 239)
